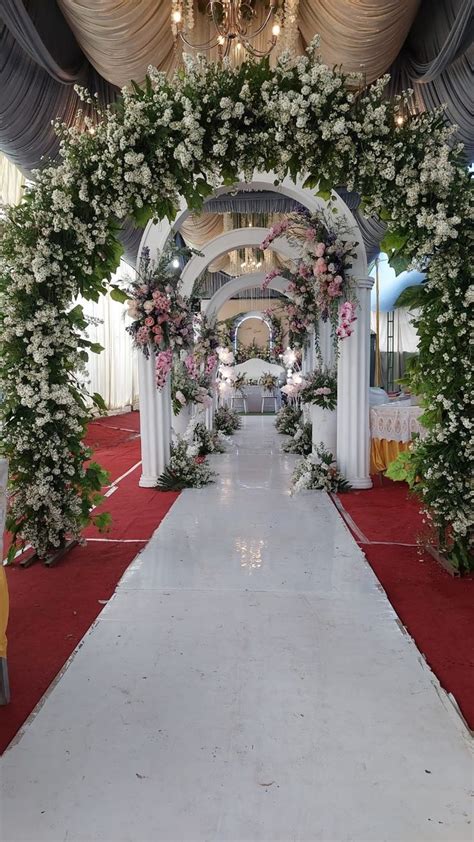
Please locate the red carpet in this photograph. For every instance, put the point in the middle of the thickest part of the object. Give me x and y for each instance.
(52, 609)
(437, 609)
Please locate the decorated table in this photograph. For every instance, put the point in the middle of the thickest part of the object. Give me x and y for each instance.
(392, 427)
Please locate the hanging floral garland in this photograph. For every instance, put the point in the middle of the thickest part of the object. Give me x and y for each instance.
(206, 127)
(321, 287)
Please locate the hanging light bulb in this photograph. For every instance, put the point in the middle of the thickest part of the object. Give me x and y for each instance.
(176, 16)
(276, 29)
(175, 263)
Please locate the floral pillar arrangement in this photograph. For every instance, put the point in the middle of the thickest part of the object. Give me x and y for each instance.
(321, 287)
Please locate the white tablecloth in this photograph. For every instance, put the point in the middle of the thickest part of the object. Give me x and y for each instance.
(395, 422)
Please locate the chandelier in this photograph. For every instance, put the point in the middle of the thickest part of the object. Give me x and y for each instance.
(232, 21)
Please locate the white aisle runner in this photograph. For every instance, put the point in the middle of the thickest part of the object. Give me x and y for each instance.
(248, 681)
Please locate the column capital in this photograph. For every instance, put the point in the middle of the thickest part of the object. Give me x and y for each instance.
(365, 283)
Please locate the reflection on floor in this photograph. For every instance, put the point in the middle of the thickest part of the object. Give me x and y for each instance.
(249, 681)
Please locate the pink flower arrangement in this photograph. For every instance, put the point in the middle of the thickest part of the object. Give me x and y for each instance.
(320, 266)
(269, 277)
(192, 366)
(163, 366)
(211, 363)
(321, 281)
(347, 315)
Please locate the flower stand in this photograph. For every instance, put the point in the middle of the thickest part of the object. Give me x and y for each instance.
(324, 423)
(180, 421)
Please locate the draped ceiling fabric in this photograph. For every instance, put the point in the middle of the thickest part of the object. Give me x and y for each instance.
(47, 47)
(438, 63)
(121, 38)
(11, 182)
(364, 36)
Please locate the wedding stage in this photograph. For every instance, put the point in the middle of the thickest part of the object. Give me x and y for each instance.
(204, 618)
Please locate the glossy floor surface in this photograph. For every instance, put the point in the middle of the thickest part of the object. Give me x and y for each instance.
(248, 681)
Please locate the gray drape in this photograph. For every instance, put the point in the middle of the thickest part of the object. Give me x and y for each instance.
(45, 38)
(437, 62)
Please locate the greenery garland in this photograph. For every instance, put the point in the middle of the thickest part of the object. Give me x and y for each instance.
(210, 125)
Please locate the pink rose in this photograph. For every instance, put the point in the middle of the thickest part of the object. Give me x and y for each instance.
(310, 236)
(320, 266)
(149, 321)
(320, 249)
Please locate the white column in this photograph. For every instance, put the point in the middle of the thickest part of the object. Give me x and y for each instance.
(307, 361)
(155, 422)
(353, 439)
(326, 343)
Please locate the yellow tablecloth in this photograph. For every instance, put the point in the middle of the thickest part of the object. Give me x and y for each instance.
(383, 452)
(3, 612)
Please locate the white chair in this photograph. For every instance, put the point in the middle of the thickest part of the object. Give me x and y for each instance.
(238, 402)
(269, 396)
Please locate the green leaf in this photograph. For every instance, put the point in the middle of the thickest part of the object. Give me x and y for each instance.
(398, 262)
(102, 521)
(203, 188)
(413, 296)
(119, 295)
(76, 316)
(96, 348)
(311, 182)
(142, 215)
(393, 241)
(402, 469)
(99, 401)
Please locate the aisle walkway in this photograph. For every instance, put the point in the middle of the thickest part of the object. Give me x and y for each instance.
(248, 682)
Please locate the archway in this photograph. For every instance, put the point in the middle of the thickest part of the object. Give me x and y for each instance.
(136, 162)
(252, 315)
(353, 369)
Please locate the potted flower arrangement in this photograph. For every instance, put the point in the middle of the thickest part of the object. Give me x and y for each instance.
(318, 471)
(320, 392)
(227, 420)
(287, 420)
(189, 385)
(269, 383)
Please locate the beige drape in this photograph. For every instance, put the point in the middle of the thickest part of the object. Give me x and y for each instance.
(362, 35)
(123, 37)
(199, 229)
(11, 182)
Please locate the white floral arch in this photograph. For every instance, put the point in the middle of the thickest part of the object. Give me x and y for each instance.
(353, 370)
(183, 137)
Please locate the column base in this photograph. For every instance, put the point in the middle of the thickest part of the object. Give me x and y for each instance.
(147, 481)
(360, 482)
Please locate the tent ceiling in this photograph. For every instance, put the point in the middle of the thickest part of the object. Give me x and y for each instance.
(46, 48)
